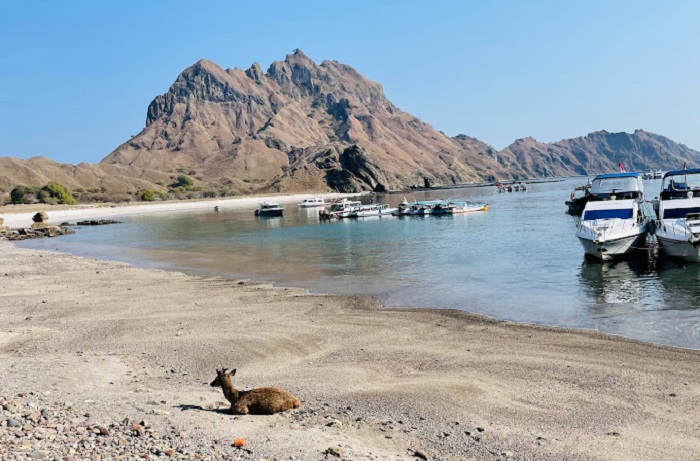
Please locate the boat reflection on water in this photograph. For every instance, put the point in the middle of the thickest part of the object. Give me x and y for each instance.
(643, 298)
(647, 282)
(618, 281)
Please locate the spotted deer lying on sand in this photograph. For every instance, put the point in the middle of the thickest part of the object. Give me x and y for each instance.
(261, 401)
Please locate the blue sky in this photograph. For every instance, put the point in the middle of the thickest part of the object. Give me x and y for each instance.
(76, 77)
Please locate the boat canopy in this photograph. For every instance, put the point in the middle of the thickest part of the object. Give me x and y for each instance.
(617, 175)
(681, 184)
(682, 172)
(621, 185)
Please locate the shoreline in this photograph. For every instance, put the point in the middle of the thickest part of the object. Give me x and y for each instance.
(21, 218)
(378, 383)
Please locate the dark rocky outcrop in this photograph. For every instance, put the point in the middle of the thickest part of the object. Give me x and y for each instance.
(40, 217)
(97, 222)
(33, 232)
(40, 228)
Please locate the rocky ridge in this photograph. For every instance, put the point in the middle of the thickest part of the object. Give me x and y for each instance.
(298, 126)
(302, 126)
(598, 152)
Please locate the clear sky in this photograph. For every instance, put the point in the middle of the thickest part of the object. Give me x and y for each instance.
(76, 77)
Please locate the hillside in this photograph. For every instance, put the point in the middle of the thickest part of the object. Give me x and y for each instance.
(303, 126)
(298, 126)
(598, 152)
(98, 179)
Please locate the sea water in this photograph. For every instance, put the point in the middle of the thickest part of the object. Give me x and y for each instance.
(518, 261)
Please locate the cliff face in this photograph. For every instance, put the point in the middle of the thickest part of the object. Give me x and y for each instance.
(598, 152)
(298, 125)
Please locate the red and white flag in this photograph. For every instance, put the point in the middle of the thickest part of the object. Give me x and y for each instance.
(622, 168)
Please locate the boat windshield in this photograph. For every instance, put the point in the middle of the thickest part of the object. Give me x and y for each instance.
(680, 186)
(621, 213)
(610, 185)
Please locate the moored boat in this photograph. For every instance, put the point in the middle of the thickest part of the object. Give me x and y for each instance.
(439, 207)
(378, 209)
(578, 199)
(269, 209)
(313, 202)
(614, 220)
(464, 207)
(342, 208)
(678, 227)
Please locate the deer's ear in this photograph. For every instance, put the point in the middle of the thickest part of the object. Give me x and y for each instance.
(233, 373)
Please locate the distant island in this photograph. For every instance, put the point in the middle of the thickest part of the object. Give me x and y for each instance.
(303, 126)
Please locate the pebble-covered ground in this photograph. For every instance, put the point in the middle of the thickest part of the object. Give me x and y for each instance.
(31, 428)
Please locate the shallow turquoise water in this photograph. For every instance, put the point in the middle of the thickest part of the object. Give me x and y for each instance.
(518, 261)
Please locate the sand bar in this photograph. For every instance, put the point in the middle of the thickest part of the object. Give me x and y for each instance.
(118, 341)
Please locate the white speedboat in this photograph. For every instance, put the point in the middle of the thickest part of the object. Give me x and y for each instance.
(313, 202)
(678, 227)
(342, 208)
(269, 209)
(614, 221)
(378, 209)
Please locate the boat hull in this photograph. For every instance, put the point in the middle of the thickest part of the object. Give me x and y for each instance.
(612, 248)
(682, 249)
(269, 213)
(467, 209)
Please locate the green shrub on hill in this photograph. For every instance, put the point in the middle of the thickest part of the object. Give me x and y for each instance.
(24, 194)
(56, 193)
(146, 195)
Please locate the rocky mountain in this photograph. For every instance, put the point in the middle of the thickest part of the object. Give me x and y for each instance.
(598, 152)
(298, 126)
(302, 126)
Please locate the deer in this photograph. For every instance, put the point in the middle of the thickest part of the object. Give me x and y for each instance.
(260, 401)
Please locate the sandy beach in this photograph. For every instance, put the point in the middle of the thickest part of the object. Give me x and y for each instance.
(115, 341)
(21, 215)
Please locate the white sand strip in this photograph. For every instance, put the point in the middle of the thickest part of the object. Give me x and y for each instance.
(24, 219)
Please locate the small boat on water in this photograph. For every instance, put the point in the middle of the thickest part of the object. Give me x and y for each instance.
(579, 198)
(512, 187)
(269, 209)
(342, 208)
(378, 209)
(438, 207)
(614, 220)
(658, 174)
(460, 207)
(313, 202)
(678, 227)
